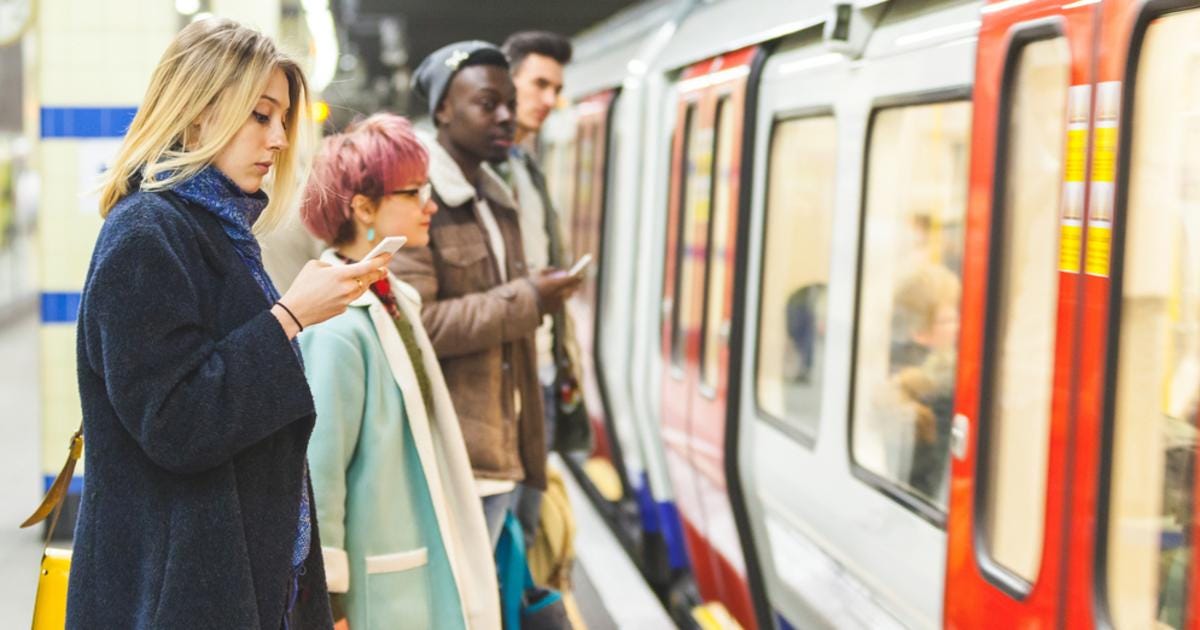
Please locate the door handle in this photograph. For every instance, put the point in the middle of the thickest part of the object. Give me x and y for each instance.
(960, 432)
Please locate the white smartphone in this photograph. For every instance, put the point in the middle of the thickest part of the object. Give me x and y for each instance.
(580, 265)
(389, 245)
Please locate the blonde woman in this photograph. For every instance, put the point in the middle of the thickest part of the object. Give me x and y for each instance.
(196, 509)
(406, 542)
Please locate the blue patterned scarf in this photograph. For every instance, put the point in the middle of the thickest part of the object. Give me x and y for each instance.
(237, 211)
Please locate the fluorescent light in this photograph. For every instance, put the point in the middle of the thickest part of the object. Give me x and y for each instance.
(938, 33)
(705, 80)
(961, 41)
(187, 7)
(810, 63)
(1003, 6)
(325, 43)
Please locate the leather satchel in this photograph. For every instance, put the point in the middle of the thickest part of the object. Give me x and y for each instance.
(50, 605)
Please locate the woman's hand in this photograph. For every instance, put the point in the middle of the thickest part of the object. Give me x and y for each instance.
(322, 291)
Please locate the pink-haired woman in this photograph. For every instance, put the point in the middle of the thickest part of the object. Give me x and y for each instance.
(404, 539)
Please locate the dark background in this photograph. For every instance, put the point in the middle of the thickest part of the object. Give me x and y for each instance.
(382, 40)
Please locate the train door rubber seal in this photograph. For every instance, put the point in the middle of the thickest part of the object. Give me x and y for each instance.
(737, 496)
(1020, 37)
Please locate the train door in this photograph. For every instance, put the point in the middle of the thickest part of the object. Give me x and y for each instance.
(1012, 438)
(1133, 564)
(585, 236)
(697, 309)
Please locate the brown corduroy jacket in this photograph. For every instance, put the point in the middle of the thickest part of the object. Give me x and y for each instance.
(482, 326)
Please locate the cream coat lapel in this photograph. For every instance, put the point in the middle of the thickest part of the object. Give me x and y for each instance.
(478, 568)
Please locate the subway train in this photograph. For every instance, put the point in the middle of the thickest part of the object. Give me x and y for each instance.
(895, 316)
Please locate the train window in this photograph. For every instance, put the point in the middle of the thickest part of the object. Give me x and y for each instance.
(714, 327)
(694, 204)
(906, 346)
(795, 272)
(1024, 309)
(1150, 527)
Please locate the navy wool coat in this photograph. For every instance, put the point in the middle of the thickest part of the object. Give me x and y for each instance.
(196, 419)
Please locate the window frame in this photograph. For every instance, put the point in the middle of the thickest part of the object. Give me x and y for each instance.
(677, 361)
(1020, 37)
(710, 391)
(780, 118)
(918, 506)
(1148, 12)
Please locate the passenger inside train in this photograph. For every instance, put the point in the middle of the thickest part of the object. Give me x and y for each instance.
(918, 401)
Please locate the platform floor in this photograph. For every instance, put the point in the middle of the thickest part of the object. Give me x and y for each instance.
(20, 468)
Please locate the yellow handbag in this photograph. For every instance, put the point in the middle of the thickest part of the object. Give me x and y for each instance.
(50, 607)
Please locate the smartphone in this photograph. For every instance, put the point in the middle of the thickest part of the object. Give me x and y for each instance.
(389, 245)
(580, 265)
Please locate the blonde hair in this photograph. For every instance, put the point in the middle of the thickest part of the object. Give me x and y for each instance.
(219, 69)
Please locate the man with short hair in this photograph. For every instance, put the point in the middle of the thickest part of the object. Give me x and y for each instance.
(480, 305)
(537, 59)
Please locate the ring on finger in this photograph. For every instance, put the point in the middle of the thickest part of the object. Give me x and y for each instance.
(360, 284)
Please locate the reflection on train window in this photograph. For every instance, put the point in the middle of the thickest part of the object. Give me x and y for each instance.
(559, 165)
(1158, 365)
(906, 347)
(1018, 418)
(587, 188)
(795, 271)
(692, 226)
(714, 327)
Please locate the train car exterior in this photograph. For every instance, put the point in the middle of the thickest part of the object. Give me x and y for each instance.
(912, 336)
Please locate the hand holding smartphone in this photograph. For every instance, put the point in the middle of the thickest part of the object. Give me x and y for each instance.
(389, 245)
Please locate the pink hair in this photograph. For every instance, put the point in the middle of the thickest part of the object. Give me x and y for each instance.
(373, 157)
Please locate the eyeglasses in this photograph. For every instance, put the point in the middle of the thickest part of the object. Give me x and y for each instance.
(422, 193)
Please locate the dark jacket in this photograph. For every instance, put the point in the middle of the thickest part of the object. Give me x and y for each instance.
(196, 419)
(481, 327)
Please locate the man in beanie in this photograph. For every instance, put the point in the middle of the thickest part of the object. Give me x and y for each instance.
(480, 305)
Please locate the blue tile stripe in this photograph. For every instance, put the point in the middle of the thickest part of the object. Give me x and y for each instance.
(76, 486)
(86, 122)
(60, 308)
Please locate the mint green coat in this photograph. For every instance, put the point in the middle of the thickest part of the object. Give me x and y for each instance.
(402, 528)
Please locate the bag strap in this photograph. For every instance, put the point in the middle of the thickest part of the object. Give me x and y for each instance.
(52, 503)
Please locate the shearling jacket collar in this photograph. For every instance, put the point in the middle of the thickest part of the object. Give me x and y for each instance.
(452, 186)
